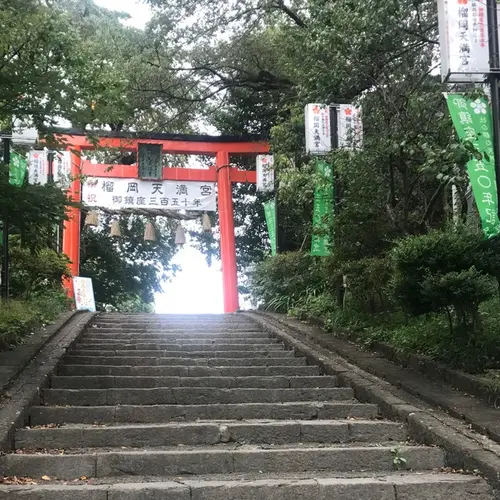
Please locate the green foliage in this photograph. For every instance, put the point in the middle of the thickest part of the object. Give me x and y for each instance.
(127, 268)
(421, 262)
(368, 284)
(279, 282)
(33, 273)
(18, 319)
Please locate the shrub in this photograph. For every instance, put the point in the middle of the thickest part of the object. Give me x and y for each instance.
(279, 282)
(367, 284)
(19, 319)
(437, 253)
(34, 272)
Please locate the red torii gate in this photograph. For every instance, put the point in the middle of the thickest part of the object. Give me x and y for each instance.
(222, 173)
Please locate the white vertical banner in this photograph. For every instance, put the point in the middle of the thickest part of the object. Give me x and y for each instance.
(38, 167)
(265, 173)
(84, 294)
(62, 169)
(318, 129)
(463, 37)
(349, 127)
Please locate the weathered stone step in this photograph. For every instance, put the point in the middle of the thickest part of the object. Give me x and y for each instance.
(189, 371)
(206, 330)
(387, 487)
(157, 361)
(156, 319)
(242, 344)
(223, 460)
(253, 432)
(109, 381)
(281, 353)
(177, 334)
(44, 415)
(189, 396)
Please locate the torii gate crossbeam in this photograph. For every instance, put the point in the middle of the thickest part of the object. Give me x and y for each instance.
(222, 173)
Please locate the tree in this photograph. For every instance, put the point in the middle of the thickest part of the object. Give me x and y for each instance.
(127, 269)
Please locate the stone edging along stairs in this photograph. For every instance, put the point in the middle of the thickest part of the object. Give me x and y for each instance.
(212, 407)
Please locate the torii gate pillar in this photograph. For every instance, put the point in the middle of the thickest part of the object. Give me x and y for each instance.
(227, 239)
(71, 232)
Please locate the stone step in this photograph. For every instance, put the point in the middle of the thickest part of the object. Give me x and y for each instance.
(219, 460)
(218, 337)
(157, 361)
(189, 434)
(184, 354)
(45, 415)
(109, 381)
(199, 345)
(381, 487)
(189, 396)
(203, 330)
(188, 371)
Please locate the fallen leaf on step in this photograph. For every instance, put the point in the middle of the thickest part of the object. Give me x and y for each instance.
(46, 478)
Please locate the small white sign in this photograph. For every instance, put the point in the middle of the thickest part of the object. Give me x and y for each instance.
(318, 129)
(38, 168)
(84, 294)
(349, 127)
(116, 194)
(463, 36)
(265, 173)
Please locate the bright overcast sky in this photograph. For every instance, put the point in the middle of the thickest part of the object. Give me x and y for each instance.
(198, 288)
(140, 12)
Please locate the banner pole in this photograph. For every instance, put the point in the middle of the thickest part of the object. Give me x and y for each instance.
(494, 79)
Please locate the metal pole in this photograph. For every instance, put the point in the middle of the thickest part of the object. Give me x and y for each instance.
(494, 79)
(50, 173)
(5, 234)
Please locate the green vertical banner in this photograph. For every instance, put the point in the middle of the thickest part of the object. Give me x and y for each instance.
(270, 211)
(18, 169)
(323, 211)
(473, 122)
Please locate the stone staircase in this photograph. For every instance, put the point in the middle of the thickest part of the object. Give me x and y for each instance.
(205, 408)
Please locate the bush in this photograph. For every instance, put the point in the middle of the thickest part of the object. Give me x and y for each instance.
(19, 319)
(418, 258)
(34, 272)
(368, 284)
(280, 282)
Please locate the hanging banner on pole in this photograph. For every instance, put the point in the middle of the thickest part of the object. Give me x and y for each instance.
(62, 169)
(38, 167)
(18, 169)
(265, 173)
(349, 127)
(318, 129)
(117, 193)
(270, 212)
(463, 38)
(38, 171)
(473, 122)
(323, 211)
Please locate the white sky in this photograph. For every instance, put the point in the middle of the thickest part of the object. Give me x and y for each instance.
(197, 288)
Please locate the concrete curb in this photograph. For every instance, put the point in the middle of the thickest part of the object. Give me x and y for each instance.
(13, 362)
(25, 390)
(462, 452)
